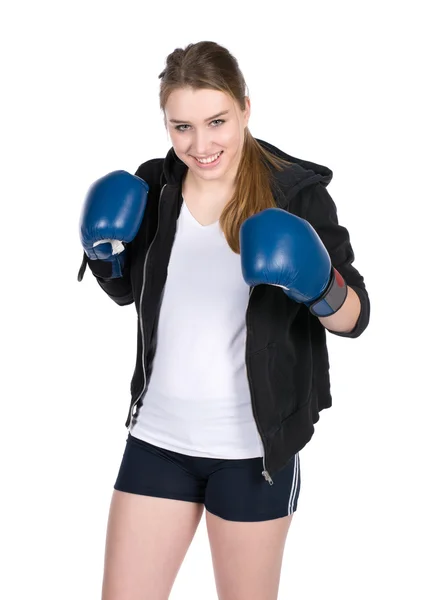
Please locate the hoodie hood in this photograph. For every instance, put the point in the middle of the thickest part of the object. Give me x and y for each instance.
(288, 182)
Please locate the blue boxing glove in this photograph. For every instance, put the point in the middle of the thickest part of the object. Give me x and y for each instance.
(279, 248)
(111, 216)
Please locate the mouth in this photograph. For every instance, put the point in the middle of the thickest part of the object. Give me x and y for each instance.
(210, 161)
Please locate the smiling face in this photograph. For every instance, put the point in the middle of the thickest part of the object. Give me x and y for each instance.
(206, 128)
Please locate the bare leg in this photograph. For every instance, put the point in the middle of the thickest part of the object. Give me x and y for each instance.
(247, 557)
(146, 542)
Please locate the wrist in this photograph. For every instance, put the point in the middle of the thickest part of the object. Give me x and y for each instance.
(111, 268)
(332, 298)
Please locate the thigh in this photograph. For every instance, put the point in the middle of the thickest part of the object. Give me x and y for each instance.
(237, 491)
(146, 542)
(152, 471)
(247, 556)
(155, 510)
(247, 522)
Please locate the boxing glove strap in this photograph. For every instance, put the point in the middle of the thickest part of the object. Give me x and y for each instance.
(333, 298)
(83, 267)
(104, 269)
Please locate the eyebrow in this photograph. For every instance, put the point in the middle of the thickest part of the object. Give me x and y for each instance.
(224, 112)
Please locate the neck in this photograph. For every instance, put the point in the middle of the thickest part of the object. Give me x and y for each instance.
(216, 188)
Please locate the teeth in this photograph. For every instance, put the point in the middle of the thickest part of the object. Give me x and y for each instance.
(211, 159)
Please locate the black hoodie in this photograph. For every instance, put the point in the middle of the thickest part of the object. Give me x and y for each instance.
(286, 352)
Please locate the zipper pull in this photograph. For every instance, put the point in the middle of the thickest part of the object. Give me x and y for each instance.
(267, 477)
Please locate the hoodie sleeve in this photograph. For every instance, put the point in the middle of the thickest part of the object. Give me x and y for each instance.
(321, 213)
(118, 289)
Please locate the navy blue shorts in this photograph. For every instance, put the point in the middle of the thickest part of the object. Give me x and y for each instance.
(233, 489)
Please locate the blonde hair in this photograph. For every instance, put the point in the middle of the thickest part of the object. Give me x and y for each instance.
(207, 65)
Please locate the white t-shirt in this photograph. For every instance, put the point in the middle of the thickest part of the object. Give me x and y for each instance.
(198, 399)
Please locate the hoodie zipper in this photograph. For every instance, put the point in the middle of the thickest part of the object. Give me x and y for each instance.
(265, 472)
(140, 313)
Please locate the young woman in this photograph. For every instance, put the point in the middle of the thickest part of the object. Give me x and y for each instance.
(232, 252)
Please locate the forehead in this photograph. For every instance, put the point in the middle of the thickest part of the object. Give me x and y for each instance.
(196, 105)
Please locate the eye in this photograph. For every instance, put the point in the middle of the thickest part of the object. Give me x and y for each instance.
(180, 127)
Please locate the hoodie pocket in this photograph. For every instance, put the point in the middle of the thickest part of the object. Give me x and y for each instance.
(273, 385)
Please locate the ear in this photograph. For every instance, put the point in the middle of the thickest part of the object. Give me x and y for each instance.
(247, 110)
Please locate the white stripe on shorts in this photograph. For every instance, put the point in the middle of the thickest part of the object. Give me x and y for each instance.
(295, 481)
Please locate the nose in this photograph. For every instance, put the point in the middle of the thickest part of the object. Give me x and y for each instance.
(202, 142)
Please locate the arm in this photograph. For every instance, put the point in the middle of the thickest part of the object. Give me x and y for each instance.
(118, 289)
(353, 317)
(111, 217)
(345, 319)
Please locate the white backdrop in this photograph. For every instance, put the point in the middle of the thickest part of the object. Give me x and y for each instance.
(341, 84)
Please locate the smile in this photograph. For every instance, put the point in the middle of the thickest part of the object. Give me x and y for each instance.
(209, 160)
